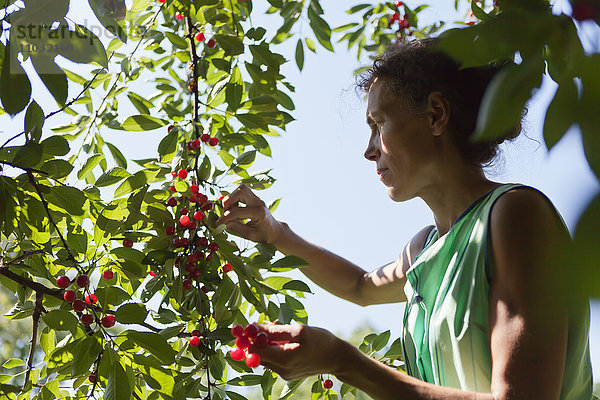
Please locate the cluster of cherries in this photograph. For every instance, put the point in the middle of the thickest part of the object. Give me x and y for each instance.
(402, 23)
(78, 305)
(245, 337)
(196, 143)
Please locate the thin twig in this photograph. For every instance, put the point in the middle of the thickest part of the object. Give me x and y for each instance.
(68, 104)
(37, 171)
(39, 297)
(45, 204)
(23, 256)
(233, 21)
(38, 287)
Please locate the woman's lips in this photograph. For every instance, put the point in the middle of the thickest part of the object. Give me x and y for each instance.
(382, 173)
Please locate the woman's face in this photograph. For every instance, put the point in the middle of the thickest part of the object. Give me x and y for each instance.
(402, 144)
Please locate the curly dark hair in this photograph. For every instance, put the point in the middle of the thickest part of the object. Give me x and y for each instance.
(414, 69)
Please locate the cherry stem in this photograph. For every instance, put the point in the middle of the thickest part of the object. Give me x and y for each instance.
(37, 311)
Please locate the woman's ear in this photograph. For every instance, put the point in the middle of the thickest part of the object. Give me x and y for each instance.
(438, 113)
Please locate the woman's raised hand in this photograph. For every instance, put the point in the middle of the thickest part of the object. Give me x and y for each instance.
(262, 227)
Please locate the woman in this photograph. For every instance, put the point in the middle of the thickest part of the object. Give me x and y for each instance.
(489, 312)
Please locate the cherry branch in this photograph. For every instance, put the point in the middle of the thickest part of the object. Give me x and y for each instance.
(194, 56)
(39, 298)
(23, 256)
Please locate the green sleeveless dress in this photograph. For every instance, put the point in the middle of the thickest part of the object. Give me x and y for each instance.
(446, 333)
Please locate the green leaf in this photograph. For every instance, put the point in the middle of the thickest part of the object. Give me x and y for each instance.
(53, 77)
(297, 285)
(55, 145)
(13, 363)
(68, 198)
(82, 47)
(246, 380)
(29, 155)
(154, 343)
(168, 144)
(231, 44)
(142, 105)
(300, 55)
(89, 165)
(381, 340)
(131, 313)
(142, 122)
(15, 88)
(60, 320)
(176, 40)
(502, 105)
(205, 169)
(288, 262)
(117, 387)
(111, 296)
(310, 44)
(117, 155)
(112, 176)
(34, 121)
(57, 169)
(561, 113)
(85, 353)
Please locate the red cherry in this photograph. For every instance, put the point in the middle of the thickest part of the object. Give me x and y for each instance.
(169, 230)
(242, 342)
(327, 384)
(195, 341)
(396, 16)
(202, 198)
(209, 256)
(174, 173)
(237, 331)
(127, 243)
(108, 321)
(198, 215)
(184, 220)
(190, 267)
(195, 144)
(204, 289)
(196, 332)
(63, 282)
(227, 268)
(83, 280)
(200, 256)
(253, 360)
(87, 319)
(261, 340)
(184, 242)
(195, 274)
(189, 146)
(91, 299)
(211, 43)
(213, 141)
(200, 37)
(194, 188)
(108, 274)
(399, 4)
(78, 305)
(214, 246)
(250, 331)
(152, 273)
(182, 173)
(92, 377)
(193, 199)
(172, 201)
(179, 16)
(203, 241)
(237, 354)
(70, 296)
(187, 284)
(193, 258)
(173, 189)
(207, 206)
(192, 225)
(470, 22)
(205, 137)
(183, 211)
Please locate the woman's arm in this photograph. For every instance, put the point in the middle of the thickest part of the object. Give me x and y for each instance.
(528, 320)
(328, 270)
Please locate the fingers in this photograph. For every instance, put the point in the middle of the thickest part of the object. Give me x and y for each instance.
(242, 194)
(283, 333)
(235, 213)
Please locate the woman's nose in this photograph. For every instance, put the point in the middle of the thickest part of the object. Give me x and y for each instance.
(372, 152)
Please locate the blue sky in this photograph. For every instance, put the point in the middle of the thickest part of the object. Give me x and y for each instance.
(331, 193)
